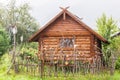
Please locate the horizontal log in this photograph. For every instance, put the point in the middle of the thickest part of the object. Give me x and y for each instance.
(64, 33)
(49, 39)
(67, 29)
(56, 38)
(66, 22)
(82, 37)
(83, 40)
(56, 51)
(54, 47)
(83, 49)
(68, 25)
(50, 46)
(65, 26)
(50, 43)
(82, 43)
(77, 37)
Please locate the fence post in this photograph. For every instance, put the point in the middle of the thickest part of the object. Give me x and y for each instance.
(112, 66)
(42, 68)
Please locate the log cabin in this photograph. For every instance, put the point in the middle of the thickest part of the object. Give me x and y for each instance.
(66, 37)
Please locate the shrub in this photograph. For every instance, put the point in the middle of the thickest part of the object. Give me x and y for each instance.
(4, 41)
(117, 64)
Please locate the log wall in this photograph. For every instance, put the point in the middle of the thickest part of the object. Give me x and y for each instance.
(51, 45)
(66, 27)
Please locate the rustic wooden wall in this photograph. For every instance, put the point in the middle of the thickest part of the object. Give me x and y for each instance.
(83, 44)
(66, 27)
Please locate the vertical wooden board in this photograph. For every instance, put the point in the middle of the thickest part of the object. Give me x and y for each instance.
(39, 46)
(92, 44)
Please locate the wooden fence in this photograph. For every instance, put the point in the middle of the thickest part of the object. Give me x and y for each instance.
(64, 67)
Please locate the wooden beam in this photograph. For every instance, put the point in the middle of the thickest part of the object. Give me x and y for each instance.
(92, 44)
(64, 16)
(64, 10)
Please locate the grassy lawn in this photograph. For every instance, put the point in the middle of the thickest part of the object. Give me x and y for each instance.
(23, 76)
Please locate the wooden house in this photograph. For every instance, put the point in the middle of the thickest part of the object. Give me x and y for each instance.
(66, 35)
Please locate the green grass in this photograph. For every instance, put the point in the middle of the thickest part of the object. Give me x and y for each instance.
(81, 77)
(23, 76)
(18, 77)
(5, 62)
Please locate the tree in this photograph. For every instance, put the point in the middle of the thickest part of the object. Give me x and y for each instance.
(20, 17)
(107, 27)
(4, 41)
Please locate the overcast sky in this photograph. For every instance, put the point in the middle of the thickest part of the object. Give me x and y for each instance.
(89, 10)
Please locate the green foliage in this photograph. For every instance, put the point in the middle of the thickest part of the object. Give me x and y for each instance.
(30, 48)
(19, 16)
(117, 66)
(29, 51)
(4, 63)
(107, 27)
(115, 46)
(4, 41)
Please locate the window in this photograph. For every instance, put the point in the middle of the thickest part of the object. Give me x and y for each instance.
(66, 42)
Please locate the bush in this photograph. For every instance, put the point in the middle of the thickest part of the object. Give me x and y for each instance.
(29, 51)
(117, 64)
(4, 41)
(5, 62)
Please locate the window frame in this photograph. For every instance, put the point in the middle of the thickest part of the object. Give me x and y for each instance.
(67, 45)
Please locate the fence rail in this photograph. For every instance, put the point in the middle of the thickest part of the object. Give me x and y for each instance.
(60, 67)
